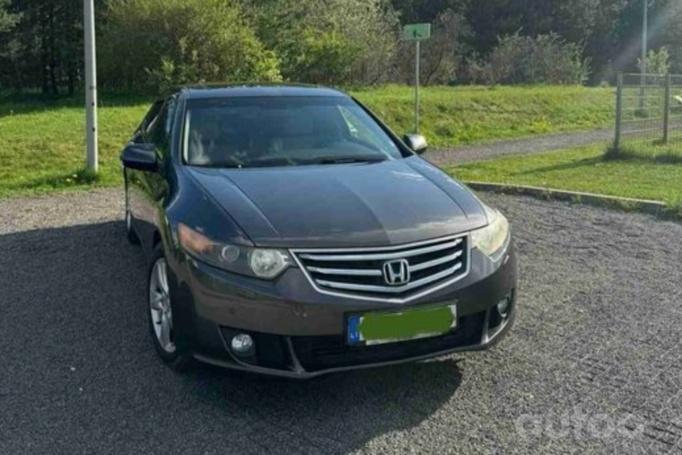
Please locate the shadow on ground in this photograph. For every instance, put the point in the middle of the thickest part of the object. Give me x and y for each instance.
(79, 374)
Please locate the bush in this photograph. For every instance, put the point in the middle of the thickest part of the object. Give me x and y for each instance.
(324, 58)
(657, 62)
(327, 41)
(149, 44)
(546, 59)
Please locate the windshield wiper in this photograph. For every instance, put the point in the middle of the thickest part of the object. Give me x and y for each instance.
(282, 162)
(271, 162)
(219, 165)
(349, 160)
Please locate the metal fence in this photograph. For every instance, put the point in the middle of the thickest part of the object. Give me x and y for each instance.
(649, 112)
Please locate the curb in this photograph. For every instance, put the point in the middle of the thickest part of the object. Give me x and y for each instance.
(599, 200)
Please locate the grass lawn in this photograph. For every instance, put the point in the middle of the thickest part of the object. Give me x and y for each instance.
(585, 169)
(458, 115)
(43, 144)
(43, 140)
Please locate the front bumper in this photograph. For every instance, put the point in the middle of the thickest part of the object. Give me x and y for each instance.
(301, 333)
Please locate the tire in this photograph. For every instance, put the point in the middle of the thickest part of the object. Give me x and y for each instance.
(130, 231)
(160, 314)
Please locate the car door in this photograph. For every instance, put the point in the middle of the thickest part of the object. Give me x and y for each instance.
(151, 187)
(134, 185)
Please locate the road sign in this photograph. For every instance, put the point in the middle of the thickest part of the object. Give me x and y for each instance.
(417, 32)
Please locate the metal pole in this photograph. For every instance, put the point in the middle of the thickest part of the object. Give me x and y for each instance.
(619, 111)
(645, 51)
(90, 84)
(645, 36)
(416, 88)
(666, 112)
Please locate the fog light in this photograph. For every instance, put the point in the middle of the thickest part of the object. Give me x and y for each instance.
(242, 345)
(503, 308)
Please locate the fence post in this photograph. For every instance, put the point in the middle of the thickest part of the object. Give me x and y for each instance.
(666, 112)
(619, 111)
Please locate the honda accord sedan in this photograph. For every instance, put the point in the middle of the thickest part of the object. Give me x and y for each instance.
(290, 232)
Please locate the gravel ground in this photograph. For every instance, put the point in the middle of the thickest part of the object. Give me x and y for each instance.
(596, 348)
(523, 146)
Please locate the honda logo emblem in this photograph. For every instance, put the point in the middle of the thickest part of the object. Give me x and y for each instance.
(397, 273)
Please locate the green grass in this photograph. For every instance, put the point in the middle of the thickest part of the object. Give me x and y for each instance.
(43, 145)
(458, 115)
(650, 151)
(584, 169)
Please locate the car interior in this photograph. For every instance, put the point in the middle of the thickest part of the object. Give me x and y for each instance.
(224, 136)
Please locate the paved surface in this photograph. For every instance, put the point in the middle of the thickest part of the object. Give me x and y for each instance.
(597, 341)
(523, 146)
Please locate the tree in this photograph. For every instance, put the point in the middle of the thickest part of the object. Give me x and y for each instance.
(668, 32)
(43, 48)
(545, 59)
(147, 44)
(7, 19)
(153, 44)
(573, 20)
(657, 62)
(665, 17)
(327, 41)
(427, 11)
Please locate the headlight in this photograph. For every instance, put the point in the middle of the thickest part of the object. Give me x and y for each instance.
(492, 238)
(258, 262)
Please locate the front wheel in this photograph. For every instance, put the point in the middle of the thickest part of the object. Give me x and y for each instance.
(161, 314)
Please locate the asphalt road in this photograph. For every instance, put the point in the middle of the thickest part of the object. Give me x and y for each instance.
(594, 364)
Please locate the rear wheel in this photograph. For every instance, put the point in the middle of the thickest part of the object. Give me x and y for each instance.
(161, 314)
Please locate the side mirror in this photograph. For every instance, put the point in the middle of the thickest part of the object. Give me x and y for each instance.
(416, 142)
(140, 156)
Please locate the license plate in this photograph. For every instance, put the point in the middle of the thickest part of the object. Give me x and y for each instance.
(410, 324)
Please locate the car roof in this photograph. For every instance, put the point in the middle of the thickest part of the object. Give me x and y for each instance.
(212, 91)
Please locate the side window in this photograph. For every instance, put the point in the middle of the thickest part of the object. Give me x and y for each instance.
(160, 130)
(145, 126)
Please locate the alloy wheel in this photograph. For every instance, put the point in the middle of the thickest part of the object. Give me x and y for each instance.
(160, 306)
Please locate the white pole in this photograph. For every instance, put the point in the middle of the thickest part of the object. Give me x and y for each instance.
(645, 44)
(645, 40)
(416, 88)
(90, 84)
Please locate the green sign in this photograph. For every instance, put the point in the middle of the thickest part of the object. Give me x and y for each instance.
(417, 32)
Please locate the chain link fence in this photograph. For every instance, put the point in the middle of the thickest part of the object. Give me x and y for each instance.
(649, 114)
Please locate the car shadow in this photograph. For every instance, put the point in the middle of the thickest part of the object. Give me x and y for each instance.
(79, 373)
(335, 414)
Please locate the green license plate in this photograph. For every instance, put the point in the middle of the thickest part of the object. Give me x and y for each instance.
(411, 324)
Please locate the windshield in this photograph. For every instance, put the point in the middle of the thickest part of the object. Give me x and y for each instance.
(282, 131)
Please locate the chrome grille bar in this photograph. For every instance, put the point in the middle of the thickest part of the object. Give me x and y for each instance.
(360, 273)
(435, 262)
(349, 272)
(390, 289)
(375, 272)
(382, 256)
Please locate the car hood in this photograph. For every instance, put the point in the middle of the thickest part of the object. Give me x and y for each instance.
(345, 205)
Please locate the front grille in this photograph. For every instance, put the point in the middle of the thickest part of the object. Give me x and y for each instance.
(324, 352)
(362, 273)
